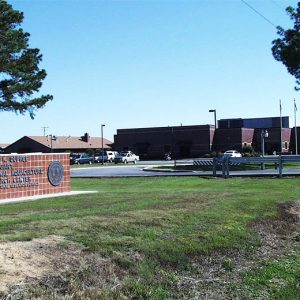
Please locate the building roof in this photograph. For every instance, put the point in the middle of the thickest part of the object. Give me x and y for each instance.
(165, 128)
(71, 142)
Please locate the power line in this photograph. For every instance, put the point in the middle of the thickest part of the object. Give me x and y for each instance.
(281, 8)
(260, 14)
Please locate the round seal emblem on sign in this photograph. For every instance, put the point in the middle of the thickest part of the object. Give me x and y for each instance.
(55, 173)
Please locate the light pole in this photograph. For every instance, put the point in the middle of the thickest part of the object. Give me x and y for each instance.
(215, 116)
(173, 147)
(264, 134)
(102, 153)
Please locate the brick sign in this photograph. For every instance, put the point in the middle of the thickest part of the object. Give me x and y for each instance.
(23, 175)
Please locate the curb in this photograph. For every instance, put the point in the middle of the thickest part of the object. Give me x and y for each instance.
(151, 169)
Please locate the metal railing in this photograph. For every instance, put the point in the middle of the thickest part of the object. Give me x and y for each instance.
(278, 161)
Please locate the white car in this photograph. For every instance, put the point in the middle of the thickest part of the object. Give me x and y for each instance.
(126, 157)
(232, 153)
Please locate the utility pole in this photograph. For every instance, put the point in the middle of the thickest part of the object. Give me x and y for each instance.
(44, 129)
(173, 148)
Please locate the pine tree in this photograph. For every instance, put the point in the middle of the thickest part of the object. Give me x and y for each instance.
(20, 76)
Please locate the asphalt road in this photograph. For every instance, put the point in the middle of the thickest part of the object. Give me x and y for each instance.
(139, 171)
(122, 171)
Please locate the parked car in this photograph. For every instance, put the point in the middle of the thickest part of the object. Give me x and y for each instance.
(108, 156)
(232, 153)
(80, 158)
(126, 157)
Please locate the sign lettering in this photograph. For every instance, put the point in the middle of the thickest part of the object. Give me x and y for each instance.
(11, 177)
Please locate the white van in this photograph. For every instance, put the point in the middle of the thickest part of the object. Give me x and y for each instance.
(111, 155)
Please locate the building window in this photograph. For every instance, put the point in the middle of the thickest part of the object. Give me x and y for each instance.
(286, 145)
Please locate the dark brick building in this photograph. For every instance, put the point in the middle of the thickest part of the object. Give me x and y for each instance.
(182, 141)
(198, 140)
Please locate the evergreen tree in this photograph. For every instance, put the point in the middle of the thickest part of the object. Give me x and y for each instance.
(20, 76)
(287, 48)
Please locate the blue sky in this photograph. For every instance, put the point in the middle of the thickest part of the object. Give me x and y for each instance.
(132, 64)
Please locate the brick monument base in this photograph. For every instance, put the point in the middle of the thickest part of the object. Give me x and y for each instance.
(33, 174)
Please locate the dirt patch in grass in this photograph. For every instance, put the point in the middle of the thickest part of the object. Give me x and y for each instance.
(215, 276)
(20, 261)
(51, 267)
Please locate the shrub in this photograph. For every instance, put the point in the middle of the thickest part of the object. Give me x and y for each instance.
(249, 151)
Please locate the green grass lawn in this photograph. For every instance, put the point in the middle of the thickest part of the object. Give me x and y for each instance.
(168, 221)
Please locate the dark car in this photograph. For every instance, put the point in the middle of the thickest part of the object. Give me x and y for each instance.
(81, 158)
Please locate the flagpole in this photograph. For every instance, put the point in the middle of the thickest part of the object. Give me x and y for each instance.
(280, 126)
(296, 139)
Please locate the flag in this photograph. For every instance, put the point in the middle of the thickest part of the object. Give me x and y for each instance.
(295, 106)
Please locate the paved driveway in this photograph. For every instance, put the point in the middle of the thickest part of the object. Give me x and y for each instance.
(122, 171)
(139, 171)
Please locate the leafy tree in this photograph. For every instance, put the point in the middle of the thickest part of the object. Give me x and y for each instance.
(20, 76)
(287, 48)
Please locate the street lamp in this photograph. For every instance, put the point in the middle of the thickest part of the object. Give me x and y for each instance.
(53, 138)
(264, 134)
(102, 125)
(215, 116)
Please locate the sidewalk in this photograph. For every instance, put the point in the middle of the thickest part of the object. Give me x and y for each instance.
(34, 198)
